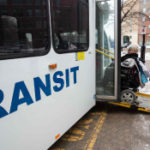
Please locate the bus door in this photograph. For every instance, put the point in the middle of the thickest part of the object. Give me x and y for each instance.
(107, 87)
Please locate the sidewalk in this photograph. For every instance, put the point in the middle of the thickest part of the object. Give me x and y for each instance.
(145, 101)
(146, 89)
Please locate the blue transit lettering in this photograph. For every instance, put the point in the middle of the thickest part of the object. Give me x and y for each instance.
(56, 79)
(67, 78)
(74, 70)
(16, 101)
(59, 79)
(3, 112)
(38, 84)
(1, 96)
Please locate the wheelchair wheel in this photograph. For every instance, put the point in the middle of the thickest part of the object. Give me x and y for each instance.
(128, 96)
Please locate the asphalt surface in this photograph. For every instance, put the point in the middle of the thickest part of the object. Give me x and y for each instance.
(108, 127)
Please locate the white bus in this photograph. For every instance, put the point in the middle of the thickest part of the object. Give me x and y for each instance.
(48, 67)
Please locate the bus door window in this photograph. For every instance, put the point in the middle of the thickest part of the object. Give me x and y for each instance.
(70, 24)
(24, 28)
(105, 48)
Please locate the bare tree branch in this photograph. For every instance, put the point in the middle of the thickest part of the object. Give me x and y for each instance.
(131, 13)
(127, 8)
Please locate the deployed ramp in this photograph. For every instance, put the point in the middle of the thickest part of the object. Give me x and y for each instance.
(142, 103)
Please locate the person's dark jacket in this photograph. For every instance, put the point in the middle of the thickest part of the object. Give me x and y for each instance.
(134, 56)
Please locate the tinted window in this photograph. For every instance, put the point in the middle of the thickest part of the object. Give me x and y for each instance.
(70, 23)
(23, 28)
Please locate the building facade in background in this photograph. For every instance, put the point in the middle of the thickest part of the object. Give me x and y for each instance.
(137, 22)
(144, 23)
(130, 23)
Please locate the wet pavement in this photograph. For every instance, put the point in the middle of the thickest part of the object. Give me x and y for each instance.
(108, 127)
(124, 129)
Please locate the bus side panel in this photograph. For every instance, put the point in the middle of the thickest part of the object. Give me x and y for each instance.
(35, 126)
(39, 104)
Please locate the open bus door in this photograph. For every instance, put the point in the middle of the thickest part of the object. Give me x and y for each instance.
(107, 50)
(108, 53)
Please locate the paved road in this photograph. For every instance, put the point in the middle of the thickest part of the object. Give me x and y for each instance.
(108, 127)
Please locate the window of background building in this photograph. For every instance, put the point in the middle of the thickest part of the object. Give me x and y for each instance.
(144, 2)
(143, 19)
(148, 42)
(70, 23)
(123, 23)
(144, 10)
(131, 22)
(140, 43)
(123, 30)
(23, 28)
(149, 26)
(130, 29)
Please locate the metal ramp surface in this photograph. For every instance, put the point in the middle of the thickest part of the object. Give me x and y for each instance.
(142, 103)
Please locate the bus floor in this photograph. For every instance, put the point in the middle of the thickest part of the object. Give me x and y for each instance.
(108, 127)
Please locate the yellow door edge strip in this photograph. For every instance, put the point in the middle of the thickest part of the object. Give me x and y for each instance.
(104, 54)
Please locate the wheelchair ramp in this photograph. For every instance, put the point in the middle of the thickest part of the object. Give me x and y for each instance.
(142, 103)
(144, 100)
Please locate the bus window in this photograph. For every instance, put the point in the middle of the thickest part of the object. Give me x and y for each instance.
(70, 23)
(24, 29)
